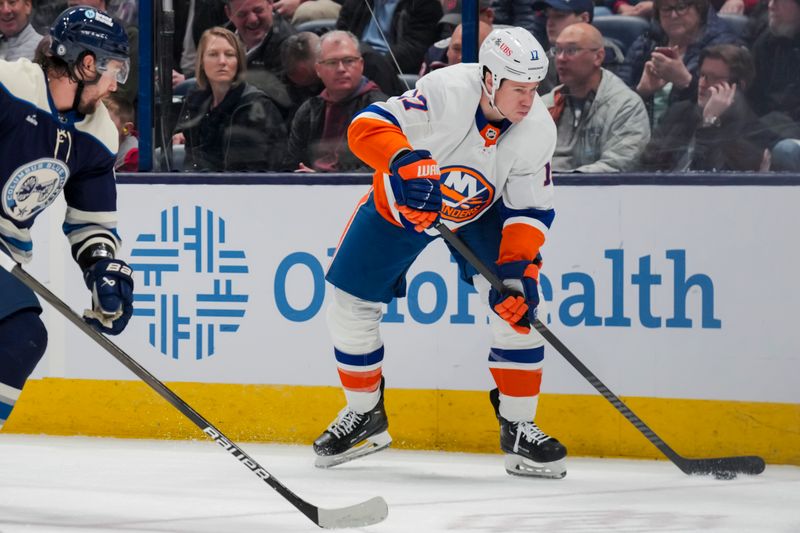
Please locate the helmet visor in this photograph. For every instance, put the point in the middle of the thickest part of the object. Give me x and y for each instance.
(119, 68)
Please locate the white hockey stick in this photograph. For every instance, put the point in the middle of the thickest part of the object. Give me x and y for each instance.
(362, 514)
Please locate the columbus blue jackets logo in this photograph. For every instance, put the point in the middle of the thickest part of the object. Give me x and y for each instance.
(33, 186)
(465, 193)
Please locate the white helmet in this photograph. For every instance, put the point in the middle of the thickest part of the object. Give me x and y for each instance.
(512, 54)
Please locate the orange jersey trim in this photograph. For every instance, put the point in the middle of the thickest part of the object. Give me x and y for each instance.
(375, 142)
(381, 200)
(520, 242)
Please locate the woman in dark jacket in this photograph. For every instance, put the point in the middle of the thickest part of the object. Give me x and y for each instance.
(670, 52)
(227, 124)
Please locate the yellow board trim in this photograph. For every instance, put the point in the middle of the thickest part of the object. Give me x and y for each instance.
(419, 419)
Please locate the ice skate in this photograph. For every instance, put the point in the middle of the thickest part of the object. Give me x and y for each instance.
(529, 450)
(353, 435)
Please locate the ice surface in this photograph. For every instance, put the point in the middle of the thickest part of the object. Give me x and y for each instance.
(76, 484)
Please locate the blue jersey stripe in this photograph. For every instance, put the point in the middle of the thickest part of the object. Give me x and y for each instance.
(530, 355)
(367, 359)
(545, 216)
(372, 108)
(25, 246)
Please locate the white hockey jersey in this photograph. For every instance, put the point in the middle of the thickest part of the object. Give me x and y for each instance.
(481, 163)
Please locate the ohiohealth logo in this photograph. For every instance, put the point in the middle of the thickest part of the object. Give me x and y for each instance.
(190, 249)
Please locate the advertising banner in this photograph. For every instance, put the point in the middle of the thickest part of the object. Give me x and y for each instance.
(673, 292)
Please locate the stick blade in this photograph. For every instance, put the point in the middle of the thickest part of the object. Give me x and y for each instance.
(362, 514)
(725, 467)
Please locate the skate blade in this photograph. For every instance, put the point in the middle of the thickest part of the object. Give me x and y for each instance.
(368, 446)
(520, 466)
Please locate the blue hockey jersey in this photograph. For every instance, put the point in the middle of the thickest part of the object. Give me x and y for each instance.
(44, 151)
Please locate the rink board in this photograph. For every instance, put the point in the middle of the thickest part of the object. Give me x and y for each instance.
(677, 297)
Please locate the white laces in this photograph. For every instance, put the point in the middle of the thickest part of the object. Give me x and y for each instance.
(532, 433)
(345, 422)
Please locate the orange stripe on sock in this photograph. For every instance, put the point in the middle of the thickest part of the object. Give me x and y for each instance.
(518, 383)
(360, 381)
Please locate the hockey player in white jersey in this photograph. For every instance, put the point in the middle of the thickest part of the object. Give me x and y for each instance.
(56, 135)
(470, 146)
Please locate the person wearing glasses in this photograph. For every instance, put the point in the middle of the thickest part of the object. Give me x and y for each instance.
(559, 15)
(717, 132)
(227, 124)
(644, 8)
(661, 65)
(318, 136)
(602, 124)
(57, 136)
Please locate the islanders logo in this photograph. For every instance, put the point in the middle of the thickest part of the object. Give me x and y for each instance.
(193, 246)
(33, 186)
(465, 193)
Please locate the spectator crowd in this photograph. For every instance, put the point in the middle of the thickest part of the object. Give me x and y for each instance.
(650, 85)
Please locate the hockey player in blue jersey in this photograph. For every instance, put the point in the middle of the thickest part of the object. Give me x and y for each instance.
(55, 134)
(470, 146)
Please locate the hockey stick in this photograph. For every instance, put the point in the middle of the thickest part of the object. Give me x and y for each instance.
(721, 467)
(362, 514)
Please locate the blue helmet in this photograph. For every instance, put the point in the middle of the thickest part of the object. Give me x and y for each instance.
(85, 29)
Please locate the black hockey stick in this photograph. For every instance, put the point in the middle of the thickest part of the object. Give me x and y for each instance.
(362, 514)
(721, 467)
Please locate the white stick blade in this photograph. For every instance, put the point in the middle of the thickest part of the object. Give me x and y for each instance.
(362, 514)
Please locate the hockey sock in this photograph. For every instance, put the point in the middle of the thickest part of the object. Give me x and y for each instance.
(361, 378)
(518, 375)
(23, 339)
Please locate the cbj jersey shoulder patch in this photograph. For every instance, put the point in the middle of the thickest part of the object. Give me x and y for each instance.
(33, 186)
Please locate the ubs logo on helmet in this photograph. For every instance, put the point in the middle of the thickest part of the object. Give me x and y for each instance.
(465, 193)
(534, 55)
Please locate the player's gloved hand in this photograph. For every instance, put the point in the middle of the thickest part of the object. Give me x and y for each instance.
(414, 177)
(510, 305)
(111, 283)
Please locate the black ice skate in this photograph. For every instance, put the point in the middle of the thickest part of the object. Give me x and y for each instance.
(529, 450)
(353, 435)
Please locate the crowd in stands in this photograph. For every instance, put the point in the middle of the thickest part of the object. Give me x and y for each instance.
(651, 85)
